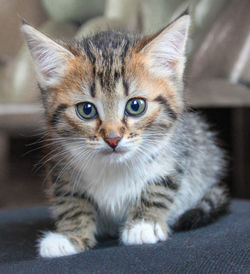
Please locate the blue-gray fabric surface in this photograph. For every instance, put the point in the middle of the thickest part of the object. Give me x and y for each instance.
(222, 247)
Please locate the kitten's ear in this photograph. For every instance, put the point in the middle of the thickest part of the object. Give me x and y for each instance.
(49, 57)
(166, 51)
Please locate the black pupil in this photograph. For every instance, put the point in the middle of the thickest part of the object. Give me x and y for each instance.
(135, 105)
(87, 108)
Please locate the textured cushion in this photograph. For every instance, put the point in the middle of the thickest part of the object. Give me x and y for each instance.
(222, 247)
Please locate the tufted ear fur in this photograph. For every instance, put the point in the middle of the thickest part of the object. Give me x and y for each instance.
(49, 57)
(166, 51)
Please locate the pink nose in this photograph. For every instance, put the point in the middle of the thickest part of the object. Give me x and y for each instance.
(112, 142)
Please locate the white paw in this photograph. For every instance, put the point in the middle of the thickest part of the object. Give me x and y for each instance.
(55, 245)
(143, 233)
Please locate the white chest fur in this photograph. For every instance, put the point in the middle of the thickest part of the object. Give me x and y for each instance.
(116, 186)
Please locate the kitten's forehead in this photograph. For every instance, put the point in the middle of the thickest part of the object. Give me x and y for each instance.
(108, 42)
(107, 52)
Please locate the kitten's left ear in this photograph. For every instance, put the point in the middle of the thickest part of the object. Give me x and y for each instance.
(49, 57)
(166, 51)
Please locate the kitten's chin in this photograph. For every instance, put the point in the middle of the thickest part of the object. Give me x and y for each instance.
(115, 156)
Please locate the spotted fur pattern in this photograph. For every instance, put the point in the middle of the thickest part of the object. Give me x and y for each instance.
(166, 170)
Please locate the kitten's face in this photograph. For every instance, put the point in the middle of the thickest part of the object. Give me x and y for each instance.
(116, 95)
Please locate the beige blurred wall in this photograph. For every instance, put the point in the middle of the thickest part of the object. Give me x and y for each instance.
(10, 12)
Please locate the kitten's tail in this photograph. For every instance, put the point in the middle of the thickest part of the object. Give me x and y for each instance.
(214, 204)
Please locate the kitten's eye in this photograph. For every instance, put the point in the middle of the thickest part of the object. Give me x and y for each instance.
(86, 110)
(135, 106)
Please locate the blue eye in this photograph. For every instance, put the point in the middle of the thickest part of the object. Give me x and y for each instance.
(135, 106)
(86, 110)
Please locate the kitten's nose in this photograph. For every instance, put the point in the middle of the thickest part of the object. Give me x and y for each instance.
(112, 142)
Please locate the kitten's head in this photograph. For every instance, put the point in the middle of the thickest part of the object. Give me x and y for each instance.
(113, 95)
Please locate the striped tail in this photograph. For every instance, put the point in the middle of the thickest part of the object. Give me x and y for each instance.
(214, 204)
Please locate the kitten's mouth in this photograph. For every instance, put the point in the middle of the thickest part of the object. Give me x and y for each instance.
(115, 152)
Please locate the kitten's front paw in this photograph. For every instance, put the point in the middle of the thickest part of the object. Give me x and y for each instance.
(55, 245)
(143, 233)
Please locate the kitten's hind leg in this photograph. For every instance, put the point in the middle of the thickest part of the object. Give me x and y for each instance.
(214, 204)
(75, 223)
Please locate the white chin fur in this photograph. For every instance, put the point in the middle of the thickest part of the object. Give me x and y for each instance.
(115, 157)
(55, 245)
(143, 233)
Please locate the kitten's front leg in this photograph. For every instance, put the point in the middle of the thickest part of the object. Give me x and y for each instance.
(146, 223)
(75, 226)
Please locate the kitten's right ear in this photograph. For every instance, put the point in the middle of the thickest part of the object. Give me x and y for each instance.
(166, 50)
(49, 57)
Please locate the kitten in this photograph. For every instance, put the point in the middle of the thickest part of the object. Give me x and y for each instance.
(125, 156)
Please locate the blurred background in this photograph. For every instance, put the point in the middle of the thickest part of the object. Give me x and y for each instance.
(217, 77)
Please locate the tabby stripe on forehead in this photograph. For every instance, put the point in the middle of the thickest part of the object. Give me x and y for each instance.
(92, 89)
(57, 114)
(125, 85)
(123, 55)
(87, 49)
(160, 99)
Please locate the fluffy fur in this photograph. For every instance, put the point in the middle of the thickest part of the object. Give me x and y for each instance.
(166, 170)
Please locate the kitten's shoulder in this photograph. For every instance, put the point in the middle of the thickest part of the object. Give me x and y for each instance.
(193, 131)
(194, 120)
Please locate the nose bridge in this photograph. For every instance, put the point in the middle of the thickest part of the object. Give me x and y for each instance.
(112, 133)
(111, 129)
(110, 107)
(112, 126)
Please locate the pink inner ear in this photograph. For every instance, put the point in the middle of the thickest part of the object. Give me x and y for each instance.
(177, 41)
(48, 63)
